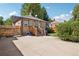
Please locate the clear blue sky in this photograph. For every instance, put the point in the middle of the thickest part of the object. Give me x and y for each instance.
(54, 10)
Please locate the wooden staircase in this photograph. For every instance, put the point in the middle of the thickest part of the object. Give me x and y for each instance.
(35, 31)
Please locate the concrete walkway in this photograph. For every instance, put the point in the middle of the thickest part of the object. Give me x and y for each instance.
(46, 46)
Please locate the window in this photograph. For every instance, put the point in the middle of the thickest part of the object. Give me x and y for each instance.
(25, 23)
(36, 23)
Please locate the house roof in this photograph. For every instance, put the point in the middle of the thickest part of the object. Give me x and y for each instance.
(16, 18)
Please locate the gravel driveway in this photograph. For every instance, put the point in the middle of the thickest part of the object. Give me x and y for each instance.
(46, 46)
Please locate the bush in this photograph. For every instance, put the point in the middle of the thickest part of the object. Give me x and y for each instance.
(68, 31)
(64, 30)
(75, 31)
(49, 30)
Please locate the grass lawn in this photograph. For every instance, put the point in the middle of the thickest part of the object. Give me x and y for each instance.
(52, 34)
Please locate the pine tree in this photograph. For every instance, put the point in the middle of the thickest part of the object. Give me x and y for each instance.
(45, 15)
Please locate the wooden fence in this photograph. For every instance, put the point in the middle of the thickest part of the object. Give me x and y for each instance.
(11, 31)
(8, 31)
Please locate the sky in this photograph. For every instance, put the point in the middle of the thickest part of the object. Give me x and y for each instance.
(59, 11)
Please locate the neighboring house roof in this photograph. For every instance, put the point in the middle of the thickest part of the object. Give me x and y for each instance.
(53, 23)
(16, 18)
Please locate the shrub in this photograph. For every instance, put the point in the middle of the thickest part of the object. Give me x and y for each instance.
(49, 30)
(68, 30)
(75, 31)
(64, 30)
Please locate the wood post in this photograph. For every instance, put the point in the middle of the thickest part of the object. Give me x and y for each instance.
(22, 26)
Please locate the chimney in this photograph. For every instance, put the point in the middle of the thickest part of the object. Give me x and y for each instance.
(30, 13)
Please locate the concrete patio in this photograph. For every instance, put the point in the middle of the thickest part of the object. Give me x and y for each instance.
(46, 46)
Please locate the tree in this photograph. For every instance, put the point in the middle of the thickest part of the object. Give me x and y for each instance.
(30, 7)
(45, 15)
(8, 21)
(1, 20)
(75, 12)
(50, 20)
(34, 9)
(25, 9)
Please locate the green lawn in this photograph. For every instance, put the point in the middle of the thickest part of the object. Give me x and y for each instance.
(52, 34)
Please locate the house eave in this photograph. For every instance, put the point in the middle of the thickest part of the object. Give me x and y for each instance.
(16, 18)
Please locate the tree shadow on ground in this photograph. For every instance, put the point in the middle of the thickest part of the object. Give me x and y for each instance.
(7, 47)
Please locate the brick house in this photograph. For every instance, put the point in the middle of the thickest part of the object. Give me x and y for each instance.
(29, 25)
